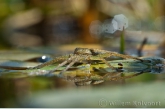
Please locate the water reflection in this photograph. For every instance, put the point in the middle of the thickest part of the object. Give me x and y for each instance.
(83, 74)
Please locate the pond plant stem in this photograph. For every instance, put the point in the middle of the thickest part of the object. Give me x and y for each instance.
(142, 46)
(122, 49)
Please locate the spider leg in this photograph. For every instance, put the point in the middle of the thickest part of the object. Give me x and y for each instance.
(105, 53)
(125, 56)
(76, 59)
(109, 65)
(62, 64)
(83, 82)
(112, 75)
(57, 59)
(99, 57)
(130, 76)
(126, 77)
(68, 66)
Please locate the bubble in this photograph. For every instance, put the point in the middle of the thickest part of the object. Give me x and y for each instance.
(95, 27)
(109, 27)
(44, 59)
(122, 21)
(115, 25)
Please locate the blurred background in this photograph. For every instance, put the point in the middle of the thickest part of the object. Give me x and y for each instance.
(35, 23)
(56, 27)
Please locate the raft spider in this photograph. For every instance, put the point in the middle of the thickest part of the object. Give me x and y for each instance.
(84, 55)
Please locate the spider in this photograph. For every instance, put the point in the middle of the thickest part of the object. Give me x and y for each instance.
(84, 55)
(107, 77)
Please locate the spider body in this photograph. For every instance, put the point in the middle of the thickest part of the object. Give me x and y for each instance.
(84, 55)
(94, 57)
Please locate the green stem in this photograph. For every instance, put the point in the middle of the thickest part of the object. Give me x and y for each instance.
(122, 42)
(122, 48)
